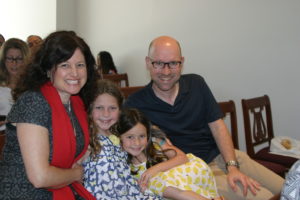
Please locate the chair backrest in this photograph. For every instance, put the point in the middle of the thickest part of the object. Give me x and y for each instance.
(2, 142)
(120, 79)
(130, 90)
(257, 122)
(228, 108)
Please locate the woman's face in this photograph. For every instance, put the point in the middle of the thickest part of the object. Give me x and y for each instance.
(14, 62)
(69, 76)
(105, 112)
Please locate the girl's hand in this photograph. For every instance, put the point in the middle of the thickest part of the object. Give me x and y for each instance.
(85, 156)
(145, 178)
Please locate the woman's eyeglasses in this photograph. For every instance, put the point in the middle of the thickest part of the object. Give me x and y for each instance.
(12, 59)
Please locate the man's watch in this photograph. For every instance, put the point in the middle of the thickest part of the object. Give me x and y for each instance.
(232, 163)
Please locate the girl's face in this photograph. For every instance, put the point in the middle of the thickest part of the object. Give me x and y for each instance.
(105, 112)
(135, 141)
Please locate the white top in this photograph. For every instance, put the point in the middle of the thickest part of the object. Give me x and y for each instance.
(6, 102)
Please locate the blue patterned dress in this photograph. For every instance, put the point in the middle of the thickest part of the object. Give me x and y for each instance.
(291, 187)
(108, 175)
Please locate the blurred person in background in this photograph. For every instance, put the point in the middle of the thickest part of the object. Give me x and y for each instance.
(34, 42)
(2, 40)
(14, 56)
(106, 63)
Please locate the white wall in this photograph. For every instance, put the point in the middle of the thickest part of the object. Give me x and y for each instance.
(23, 18)
(66, 14)
(243, 48)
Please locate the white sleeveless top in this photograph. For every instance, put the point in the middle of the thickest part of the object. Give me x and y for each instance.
(6, 102)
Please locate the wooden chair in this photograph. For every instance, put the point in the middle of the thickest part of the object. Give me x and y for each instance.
(120, 79)
(258, 126)
(228, 108)
(2, 142)
(275, 197)
(130, 90)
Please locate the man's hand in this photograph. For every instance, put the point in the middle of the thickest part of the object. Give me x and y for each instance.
(234, 175)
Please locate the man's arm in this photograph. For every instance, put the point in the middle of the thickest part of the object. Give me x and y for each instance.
(225, 144)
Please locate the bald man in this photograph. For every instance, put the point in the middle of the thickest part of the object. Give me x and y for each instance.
(185, 108)
(34, 40)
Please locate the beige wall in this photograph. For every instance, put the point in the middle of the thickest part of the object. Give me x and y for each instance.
(31, 17)
(242, 48)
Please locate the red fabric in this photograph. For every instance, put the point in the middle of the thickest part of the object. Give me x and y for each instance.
(64, 141)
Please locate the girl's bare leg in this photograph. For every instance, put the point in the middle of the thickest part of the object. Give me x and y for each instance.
(177, 194)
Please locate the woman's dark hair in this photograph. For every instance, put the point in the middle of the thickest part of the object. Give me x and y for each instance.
(57, 47)
(103, 87)
(128, 119)
(106, 62)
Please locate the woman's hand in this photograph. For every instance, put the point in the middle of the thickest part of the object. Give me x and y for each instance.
(78, 170)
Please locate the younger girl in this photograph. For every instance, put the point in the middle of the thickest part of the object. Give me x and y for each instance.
(159, 165)
(106, 172)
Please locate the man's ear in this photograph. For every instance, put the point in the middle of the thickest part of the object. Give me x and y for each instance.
(148, 62)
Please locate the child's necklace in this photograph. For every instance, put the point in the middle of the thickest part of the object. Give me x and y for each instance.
(136, 161)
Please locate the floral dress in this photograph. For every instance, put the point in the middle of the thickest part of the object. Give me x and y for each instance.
(194, 175)
(108, 175)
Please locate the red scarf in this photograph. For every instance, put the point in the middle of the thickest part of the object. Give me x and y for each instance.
(64, 141)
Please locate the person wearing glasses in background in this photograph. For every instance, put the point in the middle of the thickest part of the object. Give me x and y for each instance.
(14, 56)
(184, 107)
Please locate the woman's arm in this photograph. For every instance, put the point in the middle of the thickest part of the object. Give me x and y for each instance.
(175, 157)
(35, 149)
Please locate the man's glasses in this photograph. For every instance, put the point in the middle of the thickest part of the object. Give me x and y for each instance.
(161, 65)
(12, 59)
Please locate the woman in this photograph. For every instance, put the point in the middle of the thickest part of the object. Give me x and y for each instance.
(14, 56)
(51, 132)
(106, 63)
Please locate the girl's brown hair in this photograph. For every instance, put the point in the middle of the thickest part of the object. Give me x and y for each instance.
(130, 117)
(102, 87)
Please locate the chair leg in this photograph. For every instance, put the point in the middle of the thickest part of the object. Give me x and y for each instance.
(275, 197)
